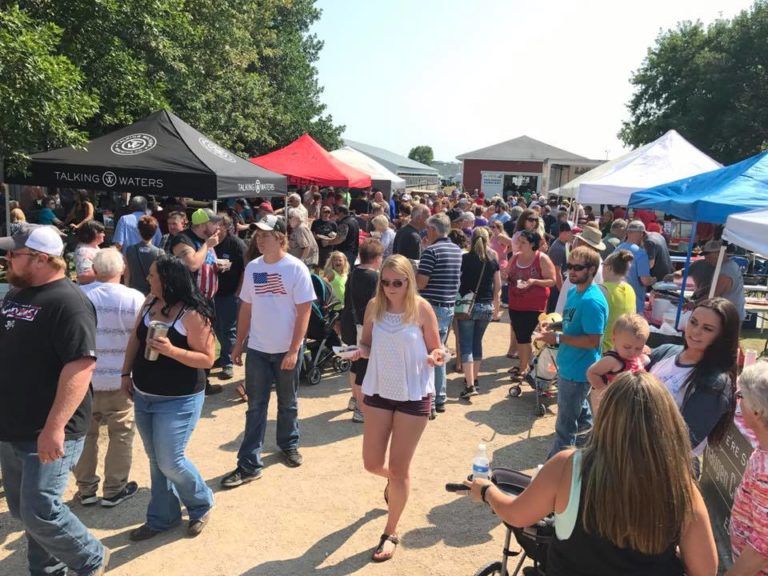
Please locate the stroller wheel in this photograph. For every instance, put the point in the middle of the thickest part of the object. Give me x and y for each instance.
(541, 410)
(515, 391)
(493, 569)
(314, 376)
(341, 365)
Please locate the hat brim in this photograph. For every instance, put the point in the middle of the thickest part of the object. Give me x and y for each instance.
(600, 246)
(266, 227)
(13, 242)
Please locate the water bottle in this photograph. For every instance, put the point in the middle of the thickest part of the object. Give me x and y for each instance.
(481, 465)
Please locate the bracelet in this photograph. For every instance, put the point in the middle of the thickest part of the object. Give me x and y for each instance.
(483, 490)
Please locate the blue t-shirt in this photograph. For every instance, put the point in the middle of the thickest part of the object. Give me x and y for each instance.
(46, 216)
(640, 266)
(584, 313)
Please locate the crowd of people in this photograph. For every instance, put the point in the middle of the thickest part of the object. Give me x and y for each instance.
(133, 347)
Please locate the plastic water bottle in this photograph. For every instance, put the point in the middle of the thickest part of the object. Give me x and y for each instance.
(481, 465)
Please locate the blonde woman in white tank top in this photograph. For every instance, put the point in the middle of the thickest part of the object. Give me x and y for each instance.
(402, 342)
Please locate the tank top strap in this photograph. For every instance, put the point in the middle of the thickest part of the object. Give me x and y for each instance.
(565, 522)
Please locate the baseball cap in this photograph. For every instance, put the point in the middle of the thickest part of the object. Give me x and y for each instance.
(241, 201)
(636, 226)
(21, 237)
(267, 207)
(712, 246)
(454, 214)
(46, 240)
(203, 216)
(273, 224)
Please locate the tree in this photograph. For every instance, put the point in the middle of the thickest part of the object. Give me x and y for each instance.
(708, 84)
(422, 154)
(42, 98)
(241, 71)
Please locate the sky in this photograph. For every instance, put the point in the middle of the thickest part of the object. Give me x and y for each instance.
(459, 75)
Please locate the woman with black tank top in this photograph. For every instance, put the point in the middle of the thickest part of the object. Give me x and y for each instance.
(168, 395)
(627, 501)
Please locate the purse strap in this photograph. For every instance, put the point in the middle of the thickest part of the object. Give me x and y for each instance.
(480, 278)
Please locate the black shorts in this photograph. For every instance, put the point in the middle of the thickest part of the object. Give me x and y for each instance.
(421, 407)
(524, 323)
(358, 369)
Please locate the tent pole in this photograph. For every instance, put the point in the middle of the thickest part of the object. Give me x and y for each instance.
(716, 275)
(685, 276)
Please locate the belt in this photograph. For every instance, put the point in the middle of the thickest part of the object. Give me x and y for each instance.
(442, 304)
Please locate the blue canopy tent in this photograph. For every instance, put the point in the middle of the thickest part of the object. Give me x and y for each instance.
(710, 197)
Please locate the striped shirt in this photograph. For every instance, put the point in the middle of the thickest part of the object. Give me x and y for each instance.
(442, 263)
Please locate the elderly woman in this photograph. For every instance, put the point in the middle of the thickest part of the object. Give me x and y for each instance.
(749, 529)
(624, 467)
(383, 232)
(301, 241)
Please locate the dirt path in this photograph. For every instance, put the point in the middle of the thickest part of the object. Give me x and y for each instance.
(325, 517)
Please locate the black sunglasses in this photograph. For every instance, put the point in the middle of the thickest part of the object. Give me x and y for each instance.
(577, 267)
(532, 219)
(393, 283)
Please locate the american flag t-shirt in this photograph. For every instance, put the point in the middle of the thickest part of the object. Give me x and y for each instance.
(268, 283)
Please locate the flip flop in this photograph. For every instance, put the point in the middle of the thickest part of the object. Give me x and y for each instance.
(241, 393)
(513, 356)
(378, 554)
(514, 371)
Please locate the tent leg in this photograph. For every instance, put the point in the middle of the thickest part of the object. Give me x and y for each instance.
(685, 276)
(716, 275)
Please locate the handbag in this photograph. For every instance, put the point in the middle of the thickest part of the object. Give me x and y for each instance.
(466, 304)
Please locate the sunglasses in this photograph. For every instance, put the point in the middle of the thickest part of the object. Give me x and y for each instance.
(577, 267)
(393, 283)
(532, 219)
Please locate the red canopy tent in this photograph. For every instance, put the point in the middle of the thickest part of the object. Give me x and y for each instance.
(304, 161)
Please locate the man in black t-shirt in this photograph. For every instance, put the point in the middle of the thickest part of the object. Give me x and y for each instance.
(323, 229)
(47, 354)
(408, 239)
(231, 249)
(347, 236)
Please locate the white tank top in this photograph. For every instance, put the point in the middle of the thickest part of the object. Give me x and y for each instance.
(397, 367)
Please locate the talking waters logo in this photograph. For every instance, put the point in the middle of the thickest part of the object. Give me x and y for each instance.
(133, 144)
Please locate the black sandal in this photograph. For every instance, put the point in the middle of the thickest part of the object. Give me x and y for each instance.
(376, 557)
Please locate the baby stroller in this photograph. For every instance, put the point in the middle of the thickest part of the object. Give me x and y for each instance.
(321, 336)
(534, 540)
(542, 375)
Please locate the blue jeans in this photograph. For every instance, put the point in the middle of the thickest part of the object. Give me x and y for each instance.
(471, 333)
(261, 370)
(166, 424)
(226, 326)
(444, 319)
(57, 542)
(573, 413)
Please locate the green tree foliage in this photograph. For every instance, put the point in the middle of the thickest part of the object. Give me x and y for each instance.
(709, 84)
(423, 154)
(241, 71)
(42, 98)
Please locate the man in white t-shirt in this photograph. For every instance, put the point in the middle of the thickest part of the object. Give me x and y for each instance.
(276, 299)
(117, 307)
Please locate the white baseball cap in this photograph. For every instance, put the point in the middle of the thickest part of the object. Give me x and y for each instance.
(46, 240)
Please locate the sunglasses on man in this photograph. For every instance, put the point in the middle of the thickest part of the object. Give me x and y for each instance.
(577, 267)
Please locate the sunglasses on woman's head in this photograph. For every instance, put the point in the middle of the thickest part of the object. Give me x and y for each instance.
(577, 267)
(393, 283)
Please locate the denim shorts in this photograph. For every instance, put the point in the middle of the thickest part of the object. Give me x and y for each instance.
(421, 407)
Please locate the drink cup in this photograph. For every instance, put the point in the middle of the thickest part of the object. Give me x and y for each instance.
(156, 329)
(223, 264)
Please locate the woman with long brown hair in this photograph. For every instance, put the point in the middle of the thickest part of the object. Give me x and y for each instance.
(402, 342)
(627, 501)
(701, 373)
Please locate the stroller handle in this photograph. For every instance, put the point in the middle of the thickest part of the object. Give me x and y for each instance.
(456, 487)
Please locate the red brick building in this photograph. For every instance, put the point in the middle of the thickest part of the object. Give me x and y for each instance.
(520, 164)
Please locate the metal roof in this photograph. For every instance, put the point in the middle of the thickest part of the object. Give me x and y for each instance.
(522, 149)
(394, 162)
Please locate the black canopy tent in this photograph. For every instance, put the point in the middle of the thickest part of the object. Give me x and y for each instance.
(161, 155)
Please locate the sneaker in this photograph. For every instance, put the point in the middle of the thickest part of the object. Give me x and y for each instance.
(357, 416)
(477, 386)
(196, 526)
(239, 477)
(440, 408)
(104, 563)
(432, 414)
(468, 392)
(88, 500)
(292, 457)
(128, 492)
(352, 404)
(143, 532)
(227, 373)
(217, 364)
(211, 389)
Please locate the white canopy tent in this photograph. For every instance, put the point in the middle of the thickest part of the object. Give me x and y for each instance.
(381, 177)
(666, 159)
(749, 230)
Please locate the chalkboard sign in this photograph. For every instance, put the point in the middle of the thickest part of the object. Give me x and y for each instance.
(723, 469)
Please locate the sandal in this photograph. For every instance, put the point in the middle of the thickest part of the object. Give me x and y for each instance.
(518, 378)
(241, 393)
(513, 355)
(378, 554)
(514, 371)
(386, 493)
